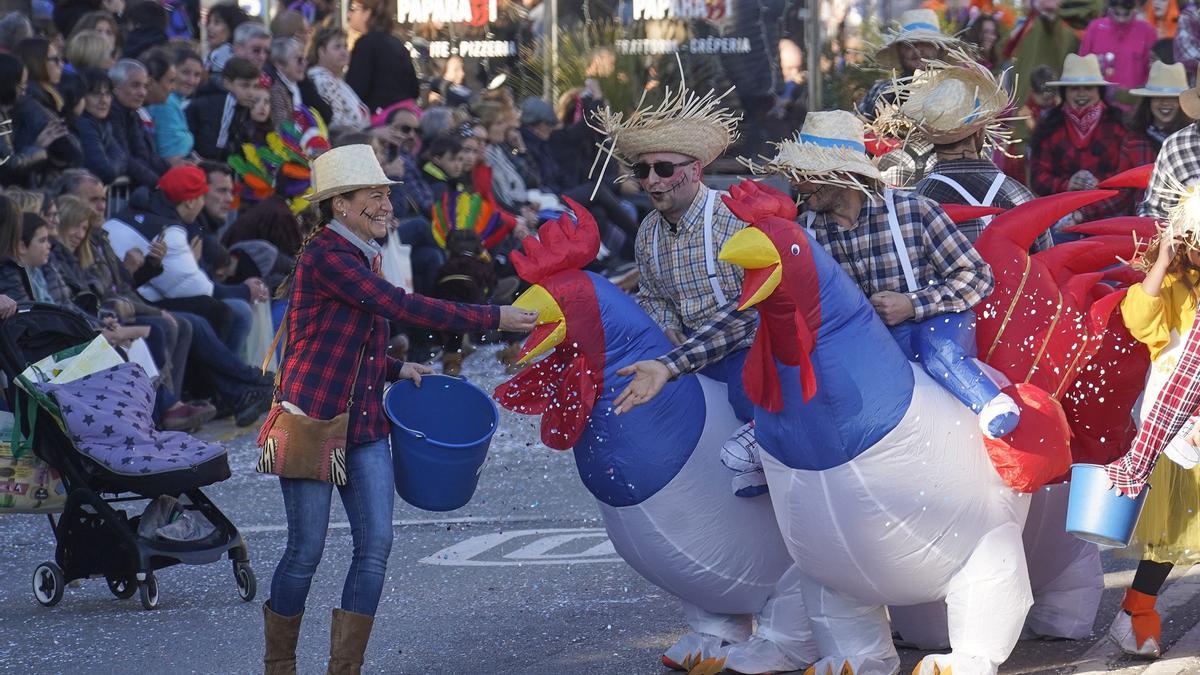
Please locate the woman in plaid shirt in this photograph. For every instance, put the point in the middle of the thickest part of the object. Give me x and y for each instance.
(337, 335)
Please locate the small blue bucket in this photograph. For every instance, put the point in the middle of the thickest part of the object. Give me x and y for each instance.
(1096, 513)
(440, 437)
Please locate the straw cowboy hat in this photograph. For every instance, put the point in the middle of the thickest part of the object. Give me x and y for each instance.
(684, 123)
(915, 26)
(830, 149)
(1165, 81)
(346, 169)
(1189, 100)
(950, 102)
(1080, 71)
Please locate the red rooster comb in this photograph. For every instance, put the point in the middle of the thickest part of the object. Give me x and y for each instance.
(561, 245)
(751, 202)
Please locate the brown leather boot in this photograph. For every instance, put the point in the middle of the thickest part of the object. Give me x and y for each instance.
(348, 642)
(281, 635)
(452, 363)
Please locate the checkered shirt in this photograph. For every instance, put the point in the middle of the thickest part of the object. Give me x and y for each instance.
(950, 275)
(1177, 402)
(1178, 158)
(677, 293)
(976, 176)
(338, 307)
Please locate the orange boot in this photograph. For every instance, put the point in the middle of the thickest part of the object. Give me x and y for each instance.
(1137, 628)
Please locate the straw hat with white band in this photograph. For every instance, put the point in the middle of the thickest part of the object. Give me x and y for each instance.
(684, 123)
(915, 26)
(346, 169)
(1080, 71)
(1165, 81)
(829, 150)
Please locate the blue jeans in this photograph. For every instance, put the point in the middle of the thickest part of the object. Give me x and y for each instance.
(426, 257)
(241, 318)
(212, 363)
(368, 497)
(944, 345)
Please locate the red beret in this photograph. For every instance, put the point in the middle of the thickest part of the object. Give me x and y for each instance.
(182, 183)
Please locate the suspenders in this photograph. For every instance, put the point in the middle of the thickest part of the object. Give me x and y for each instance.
(910, 278)
(970, 199)
(710, 259)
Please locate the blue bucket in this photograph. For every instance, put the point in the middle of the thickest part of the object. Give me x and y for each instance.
(440, 437)
(1096, 513)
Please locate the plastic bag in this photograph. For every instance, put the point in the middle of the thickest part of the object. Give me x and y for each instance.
(262, 333)
(71, 364)
(397, 262)
(164, 518)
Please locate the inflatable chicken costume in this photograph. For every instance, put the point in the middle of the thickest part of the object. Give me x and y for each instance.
(655, 471)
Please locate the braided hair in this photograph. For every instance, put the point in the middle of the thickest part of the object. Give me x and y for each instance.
(325, 207)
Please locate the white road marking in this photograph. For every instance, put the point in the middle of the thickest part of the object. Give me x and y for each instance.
(472, 552)
(406, 523)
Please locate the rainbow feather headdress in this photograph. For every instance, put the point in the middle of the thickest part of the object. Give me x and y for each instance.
(468, 211)
(282, 165)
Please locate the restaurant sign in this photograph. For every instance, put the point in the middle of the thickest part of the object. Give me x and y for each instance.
(471, 12)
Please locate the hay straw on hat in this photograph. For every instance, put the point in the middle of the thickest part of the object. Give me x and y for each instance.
(948, 101)
(914, 26)
(684, 123)
(1182, 225)
(801, 160)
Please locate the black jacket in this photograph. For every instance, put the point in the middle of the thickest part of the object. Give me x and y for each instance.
(145, 167)
(103, 154)
(381, 71)
(206, 118)
(30, 165)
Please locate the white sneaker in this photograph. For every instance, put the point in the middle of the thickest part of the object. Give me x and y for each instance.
(740, 454)
(999, 416)
(1121, 632)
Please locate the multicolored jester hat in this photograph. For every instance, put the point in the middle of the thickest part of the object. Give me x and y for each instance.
(655, 471)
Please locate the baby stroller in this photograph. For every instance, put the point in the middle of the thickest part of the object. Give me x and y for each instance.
(94, 538)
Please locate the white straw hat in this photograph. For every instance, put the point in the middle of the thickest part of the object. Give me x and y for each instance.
(951, 101)
(346, 169)
(1080, 71)
(1165, 81)
(830, 149)
(915, 26)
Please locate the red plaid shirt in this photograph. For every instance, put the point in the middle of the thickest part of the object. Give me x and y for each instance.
(1056, 159)
(1176, 403)
(337, 304)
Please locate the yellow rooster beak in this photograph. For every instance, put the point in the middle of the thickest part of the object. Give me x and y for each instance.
(752, 249)
(552, 325)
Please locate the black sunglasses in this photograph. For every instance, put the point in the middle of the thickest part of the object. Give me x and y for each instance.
(641, 170)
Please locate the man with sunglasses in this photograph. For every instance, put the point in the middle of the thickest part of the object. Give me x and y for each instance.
(683, 286)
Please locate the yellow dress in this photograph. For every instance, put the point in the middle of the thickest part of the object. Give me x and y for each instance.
(1169, 529)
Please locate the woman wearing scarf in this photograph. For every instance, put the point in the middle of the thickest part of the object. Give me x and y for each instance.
(1078, 144)
(1156, 117)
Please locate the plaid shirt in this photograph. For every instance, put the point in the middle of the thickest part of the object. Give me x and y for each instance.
(677, 294)
(1187, 40)
(339, 306)
(1179, 158)
(976, 176)
(1056, 159)
(949, 272)
(1177, 401)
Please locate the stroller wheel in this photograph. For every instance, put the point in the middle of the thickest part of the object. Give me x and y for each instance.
(149, 592)
(122, 587)
(247, 585)
(48, 584)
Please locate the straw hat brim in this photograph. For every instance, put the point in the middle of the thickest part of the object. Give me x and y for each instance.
(1150, 93)
(343, 189)
(1101, 82)
(887, 57)
(817, 164)
(704, 142)
(1189, 101)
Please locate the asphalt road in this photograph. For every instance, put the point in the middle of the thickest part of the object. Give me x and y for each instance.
(522, 580)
